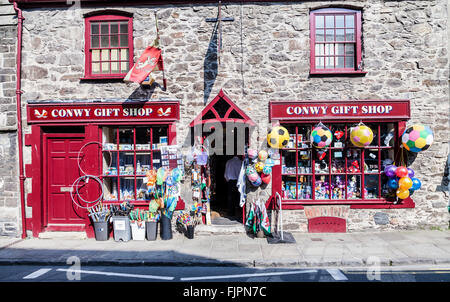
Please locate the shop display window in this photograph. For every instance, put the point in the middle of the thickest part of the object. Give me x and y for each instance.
(341, 172)
(128, 153)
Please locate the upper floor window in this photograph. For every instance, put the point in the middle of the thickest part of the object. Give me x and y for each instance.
(108, 46)
(335, 41)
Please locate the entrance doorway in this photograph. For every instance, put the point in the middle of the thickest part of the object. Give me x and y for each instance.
(60, 171)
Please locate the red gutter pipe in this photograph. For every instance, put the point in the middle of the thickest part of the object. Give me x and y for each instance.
(19, 116)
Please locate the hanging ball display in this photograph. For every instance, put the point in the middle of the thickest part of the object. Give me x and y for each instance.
(262, 155)
(392, 183)
(417, 138)
(269, 162)
(405, 183)
(410, 173)
(252, 153)
(390, 170)
(361, 136)
(416, 184)
(402, 194)
(267, 170)
(401, 172)
(250, 170)
(265, 178)
(253, 177)
(274, 153)
(259, 166)
(278, 137)
(321, 136)
(257, 182)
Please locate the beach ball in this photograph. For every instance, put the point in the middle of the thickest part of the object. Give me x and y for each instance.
(250, 170)
(269, 162)
(278, 137)
(262, 155)
(265, 178)
(259, 166)
(267, 170)
(321, 136)
(253, 177)
(361, 136)
(417, 138)
(257, 182)
(252, 153)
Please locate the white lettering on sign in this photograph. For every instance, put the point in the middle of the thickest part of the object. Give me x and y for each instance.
(137, 111)
(106, 112)
(380, 109)
(306, 110)
(339, 109)
(344, 109)
(70, 112)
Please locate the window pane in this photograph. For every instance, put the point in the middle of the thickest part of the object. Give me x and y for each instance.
(329, 49)
(329, 35)
(320, 35)
(95, 55)
(114, 41)
(114, 54)
(350, 35)
(340, 21)
(349, 62)
(329, 62)
(104, 28)
(289, 190)
(339, 62)
(124, 66)
(371, 161)
(124, 40)
(322, 187)
(350, 21)
(114, 67)
(319, 21)
(354, 187)
(370, 186)
(114, 28)
(340, 49)
(104, 41)
(320, 49)
(94, 28)
(124, 27)
(95, 41)
(350, 49)
(124, 54)
(319, 62)
(304, 187)
(105, 67)
(329, 21)
(338, 187)
(340, 35)
(105, 54)
(95, 67)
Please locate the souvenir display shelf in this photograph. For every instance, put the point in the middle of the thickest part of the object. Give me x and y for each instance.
(336, 173)
(128, 153)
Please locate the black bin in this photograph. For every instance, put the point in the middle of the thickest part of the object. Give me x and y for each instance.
(151, 228)
(101, 230)
(166, 228)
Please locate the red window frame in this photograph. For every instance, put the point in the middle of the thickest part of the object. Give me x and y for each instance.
(357, 69)
(88, 49)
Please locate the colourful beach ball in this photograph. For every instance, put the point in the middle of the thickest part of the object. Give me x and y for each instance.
(321, 136)
(253, 177)
(361, 136)
(265, 178)
(252, 153)
(267, 170)
(257, 182)
(278, 137)
(269, 163)
(259, 166)
(417, 138)
(250, 170)
(262, 155)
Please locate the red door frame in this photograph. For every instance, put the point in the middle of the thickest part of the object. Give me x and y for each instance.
(45, 201)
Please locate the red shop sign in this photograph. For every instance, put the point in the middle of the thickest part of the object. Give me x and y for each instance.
(340, 110)
(103, 112)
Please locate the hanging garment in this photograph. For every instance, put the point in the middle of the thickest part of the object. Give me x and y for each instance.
(241, 184)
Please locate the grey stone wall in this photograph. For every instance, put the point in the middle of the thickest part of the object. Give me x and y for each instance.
(9, 176)
(265, 56)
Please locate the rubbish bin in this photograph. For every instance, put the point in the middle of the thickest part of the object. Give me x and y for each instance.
(137, 230)
(190, 231)
(152, 230)
(166, 228)
(101, 230)
(122, 228)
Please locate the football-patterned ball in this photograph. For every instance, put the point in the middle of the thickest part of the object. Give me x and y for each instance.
(361, 136)
(321, 136)
(417, 138)
(278, 137)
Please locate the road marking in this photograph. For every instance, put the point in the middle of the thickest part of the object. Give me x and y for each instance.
(116, 274)
(247, 275)
(336, 274)
(37, 273)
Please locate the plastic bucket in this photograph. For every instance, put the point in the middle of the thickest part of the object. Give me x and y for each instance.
(190, 231)
(151, 229)
(166, 228)
(138, 230)
(122, 229)
(101, 230)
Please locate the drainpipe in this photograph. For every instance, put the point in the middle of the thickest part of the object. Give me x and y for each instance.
(19, 116)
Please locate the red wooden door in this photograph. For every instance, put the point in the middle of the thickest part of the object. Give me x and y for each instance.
(62, 170)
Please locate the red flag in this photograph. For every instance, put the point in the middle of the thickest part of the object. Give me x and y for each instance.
(149, 61)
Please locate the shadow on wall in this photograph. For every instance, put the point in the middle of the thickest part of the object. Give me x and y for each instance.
(210, 65)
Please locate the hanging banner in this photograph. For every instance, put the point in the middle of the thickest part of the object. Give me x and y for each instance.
(339, 110)
(154, 111)
(149, 60)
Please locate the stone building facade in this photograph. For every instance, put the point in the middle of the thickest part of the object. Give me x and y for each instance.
(265, 56)
(9, 175)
